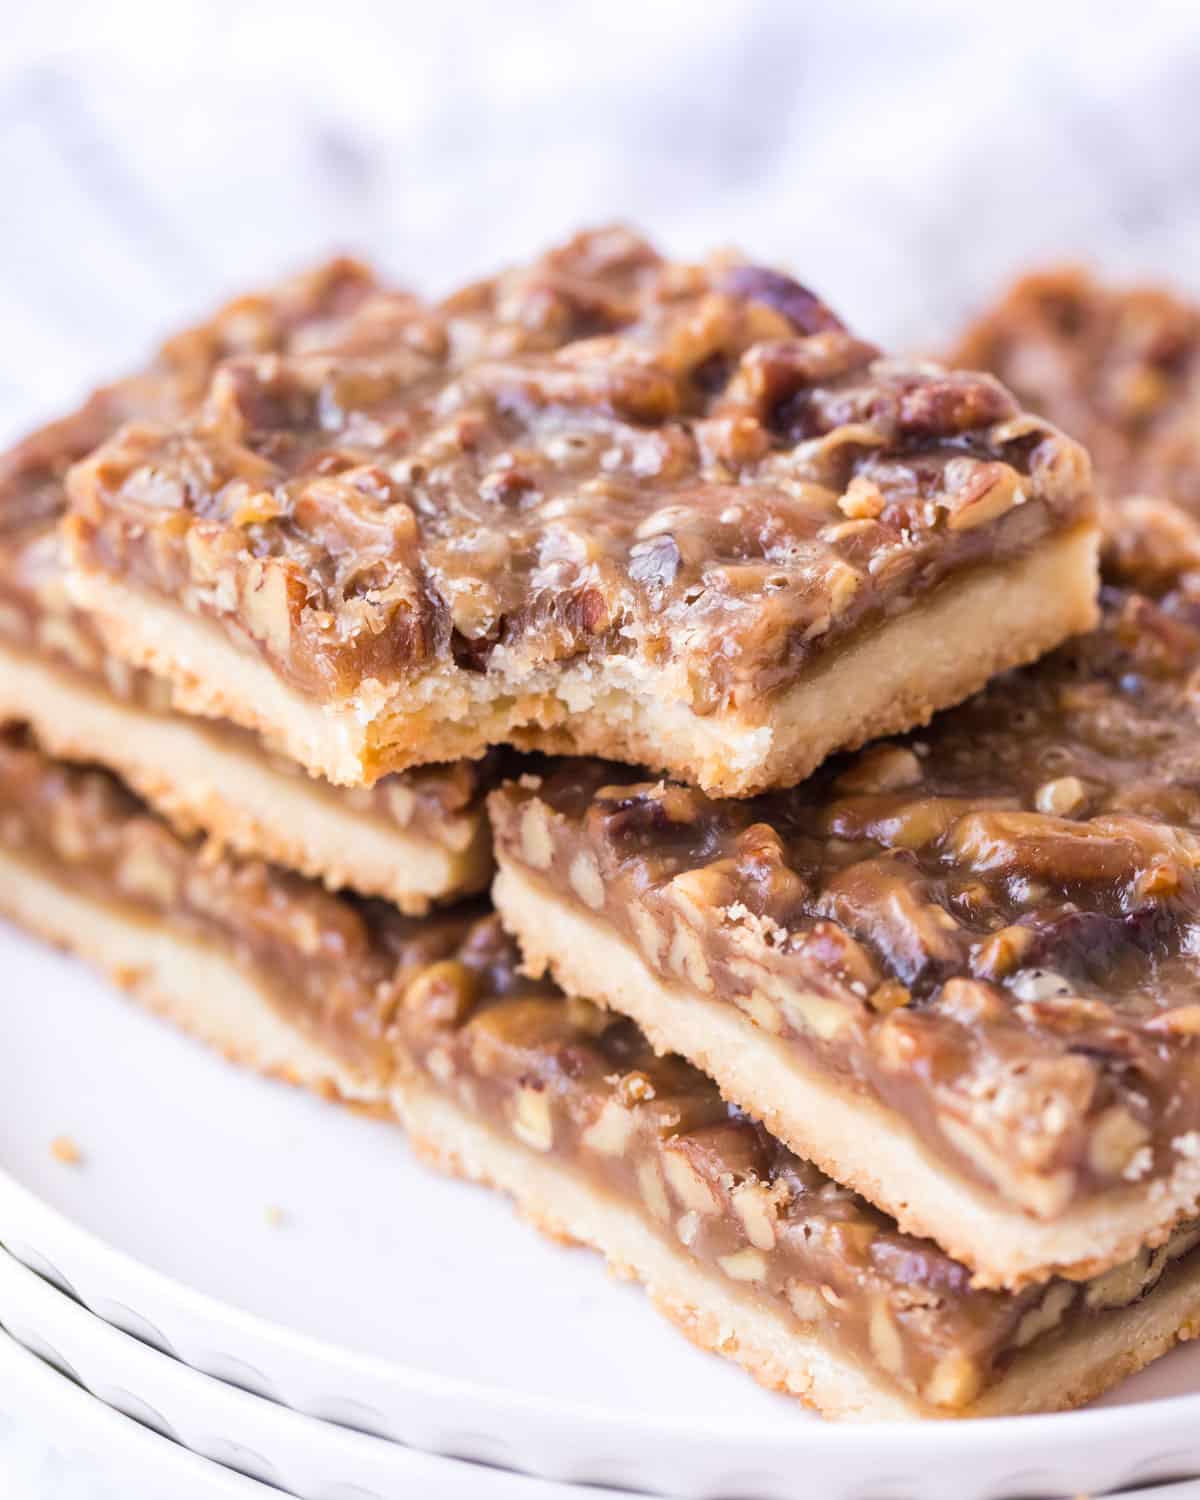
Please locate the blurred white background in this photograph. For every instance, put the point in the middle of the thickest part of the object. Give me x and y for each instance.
(902, 158)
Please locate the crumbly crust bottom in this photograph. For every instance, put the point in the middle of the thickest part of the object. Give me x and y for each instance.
(206, 994)
(852, 1138)
(884, 680)
(204, 783)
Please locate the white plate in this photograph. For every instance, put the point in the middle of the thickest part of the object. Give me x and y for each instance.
(406, 1304)
(258, 1438)
(88, 1430)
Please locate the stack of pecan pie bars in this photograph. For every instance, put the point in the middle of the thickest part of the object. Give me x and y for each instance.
(767, 682)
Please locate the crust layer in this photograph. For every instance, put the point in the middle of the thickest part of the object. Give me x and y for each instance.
(203, 781)
(887, 678)
(853, 1138)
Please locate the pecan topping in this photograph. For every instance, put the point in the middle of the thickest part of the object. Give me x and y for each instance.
(805, 312)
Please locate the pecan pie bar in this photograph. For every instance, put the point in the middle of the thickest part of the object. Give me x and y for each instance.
(1118, 368)
(414, 838)
(670, 514)
(752, 1251)
(958, 970)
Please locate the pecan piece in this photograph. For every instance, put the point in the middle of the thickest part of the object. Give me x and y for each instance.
(953, 403)
(883, 902)
(989, 491)
(1043, 847)
(803, 310)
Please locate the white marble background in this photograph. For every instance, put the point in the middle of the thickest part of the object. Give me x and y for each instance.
(903, 158)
